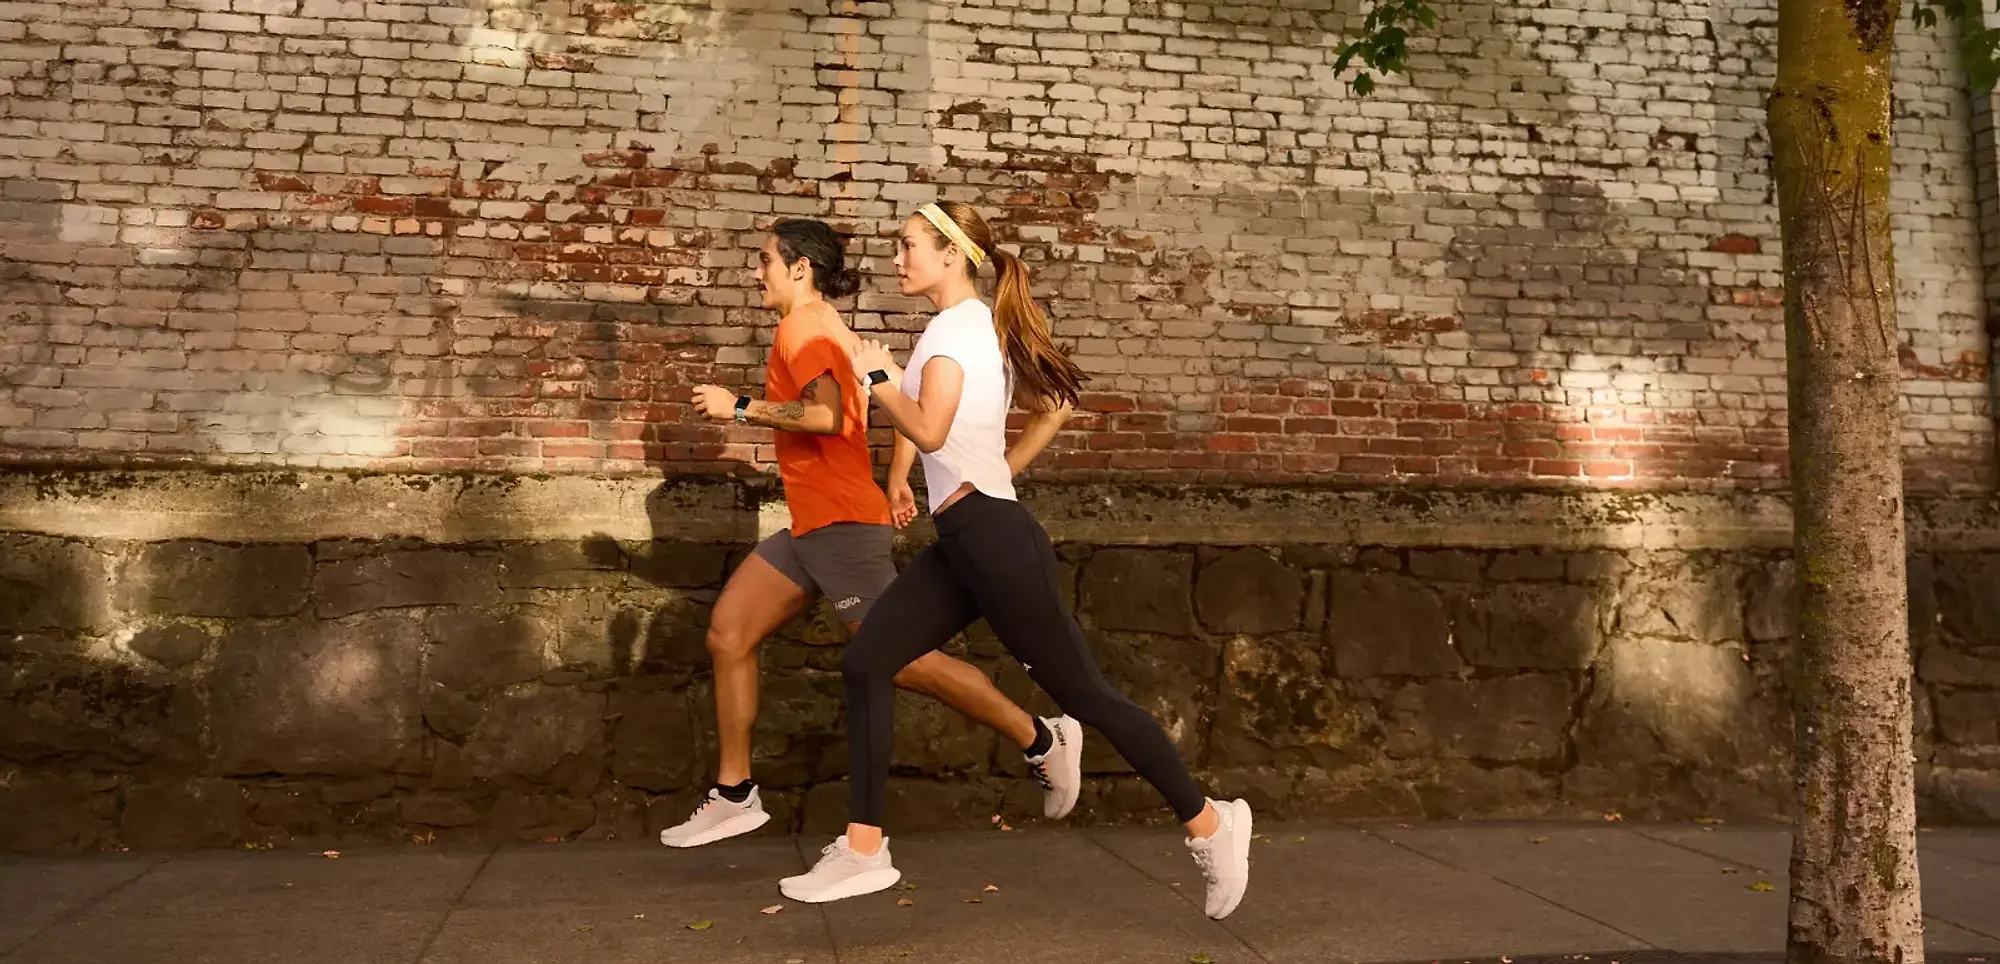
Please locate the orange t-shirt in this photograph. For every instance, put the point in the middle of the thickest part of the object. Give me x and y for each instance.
(828, 478)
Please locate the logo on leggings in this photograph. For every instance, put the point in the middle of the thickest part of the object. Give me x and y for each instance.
(848, 603)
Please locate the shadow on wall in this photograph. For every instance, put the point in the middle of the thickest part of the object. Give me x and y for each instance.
(31, 303)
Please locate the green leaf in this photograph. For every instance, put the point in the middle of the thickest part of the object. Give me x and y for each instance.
(701, 925)
(1364, 84)
(1762, 887)
(1201, 959)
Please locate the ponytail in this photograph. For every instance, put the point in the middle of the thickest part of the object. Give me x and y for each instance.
(1038, 365)
(1031, 354)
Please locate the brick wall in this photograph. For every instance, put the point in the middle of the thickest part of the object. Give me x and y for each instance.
(507, 235)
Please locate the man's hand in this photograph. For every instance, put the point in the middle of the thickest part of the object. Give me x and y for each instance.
(902, 503)
(715, 401)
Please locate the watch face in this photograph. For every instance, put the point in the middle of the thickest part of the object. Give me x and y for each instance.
(877, 377)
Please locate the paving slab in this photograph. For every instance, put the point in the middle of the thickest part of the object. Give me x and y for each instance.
(1960, 910)
(623, 902)
(1060, 899)
(379, 938)
(363, 907)
(37, 892)
(1667, 896)
(1969, 844)
(597, 874)
(1322, 894)
(262, 884)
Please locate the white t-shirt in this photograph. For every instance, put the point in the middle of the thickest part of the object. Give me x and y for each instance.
(975, 447)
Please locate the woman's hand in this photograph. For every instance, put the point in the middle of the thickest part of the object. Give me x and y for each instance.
(869, 355)
(902, 503)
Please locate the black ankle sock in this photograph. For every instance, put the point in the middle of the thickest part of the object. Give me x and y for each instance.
(1043, 740)
(737, 793)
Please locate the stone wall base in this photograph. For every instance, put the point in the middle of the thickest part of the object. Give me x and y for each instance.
(326, 690)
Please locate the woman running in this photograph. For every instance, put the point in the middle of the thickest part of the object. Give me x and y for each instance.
(839, 543)
(991, 557)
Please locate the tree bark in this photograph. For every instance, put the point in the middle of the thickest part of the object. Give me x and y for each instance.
(1854, 888)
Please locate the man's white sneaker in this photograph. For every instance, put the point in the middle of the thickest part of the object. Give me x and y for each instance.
(1060, 770)
(717, 818)
(841, 873)
(1224, 858)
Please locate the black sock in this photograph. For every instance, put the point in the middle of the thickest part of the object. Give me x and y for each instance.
(1043, 740)
(737, 793)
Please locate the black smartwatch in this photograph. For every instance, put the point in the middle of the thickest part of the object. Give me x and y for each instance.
(742, 406)
(877, 377)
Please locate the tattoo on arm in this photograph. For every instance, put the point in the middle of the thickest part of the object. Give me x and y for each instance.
(790, 415)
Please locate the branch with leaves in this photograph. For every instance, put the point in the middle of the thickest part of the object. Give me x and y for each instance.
(1383, 47)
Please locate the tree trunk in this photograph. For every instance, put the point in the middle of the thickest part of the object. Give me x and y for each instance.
(1854, 885)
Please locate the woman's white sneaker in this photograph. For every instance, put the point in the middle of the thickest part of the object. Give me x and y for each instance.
(718, 818)
(841, 873)
(1060, 770)
(1224, 858)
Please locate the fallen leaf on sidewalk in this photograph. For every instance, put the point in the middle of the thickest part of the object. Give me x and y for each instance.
(552, 840)
(286, 884)
(701, 925)
(1538, 840)
(581, 927)
(774, 908)
(1730, 870)
(1708, 820)
(330, 854)
(638, 917)
(1613, 817)
(990, 889)
(905, 902)
(1762, 887)
(971, 900)
(1201, 959)
(908, 885)
(1298, 840)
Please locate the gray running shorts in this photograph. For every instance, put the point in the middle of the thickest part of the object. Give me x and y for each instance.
(848, 562)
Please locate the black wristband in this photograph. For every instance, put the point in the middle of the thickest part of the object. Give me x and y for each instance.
(742, 406)
(877, 377)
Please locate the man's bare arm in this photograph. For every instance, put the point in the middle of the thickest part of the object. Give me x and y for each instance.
(817, 412)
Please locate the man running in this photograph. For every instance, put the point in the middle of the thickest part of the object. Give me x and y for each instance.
(838, 544)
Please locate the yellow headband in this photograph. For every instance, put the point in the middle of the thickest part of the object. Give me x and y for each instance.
(950, 229)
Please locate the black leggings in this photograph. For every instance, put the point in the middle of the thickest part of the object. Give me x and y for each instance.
(991, 559)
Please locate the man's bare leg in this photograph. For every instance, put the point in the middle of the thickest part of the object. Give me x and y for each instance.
(961, 686)
(757, 600)
(1053, 748)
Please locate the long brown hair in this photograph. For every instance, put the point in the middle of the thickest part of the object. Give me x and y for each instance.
(1037, 364)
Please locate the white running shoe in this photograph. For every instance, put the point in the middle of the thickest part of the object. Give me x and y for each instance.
(718, 818)
(1224, 858)
(1061, 769)
(841, 873)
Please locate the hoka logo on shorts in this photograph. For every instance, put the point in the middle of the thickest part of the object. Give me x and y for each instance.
(848, 603)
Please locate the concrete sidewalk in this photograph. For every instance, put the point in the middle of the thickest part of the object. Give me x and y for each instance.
(1320, 893)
